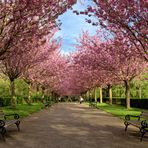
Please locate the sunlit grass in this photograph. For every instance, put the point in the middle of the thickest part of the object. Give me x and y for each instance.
(118, 110)
(23, 109)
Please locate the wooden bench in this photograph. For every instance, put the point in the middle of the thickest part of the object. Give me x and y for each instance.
(93, 104)
(6, 121)
(48, 104)
(140, 122)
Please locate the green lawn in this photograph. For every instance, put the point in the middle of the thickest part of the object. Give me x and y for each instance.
(23, 109)
(118, 110)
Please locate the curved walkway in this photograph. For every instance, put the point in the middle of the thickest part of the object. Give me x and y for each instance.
(72, 125)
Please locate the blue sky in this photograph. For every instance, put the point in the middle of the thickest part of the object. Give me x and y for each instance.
(73, 25)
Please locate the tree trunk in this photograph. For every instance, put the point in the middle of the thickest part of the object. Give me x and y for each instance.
(12, 93)
(88, 95)
(127, 93)
(37, 93)
(140, 96)
(100, 89)
(48, 94)
(95, 92)
(43, 93)
(110, 94)
(91, 95)
(69, 99)
(52, 96)
(84, 96)
(29, 93)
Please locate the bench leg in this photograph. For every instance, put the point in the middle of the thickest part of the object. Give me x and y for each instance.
(126, 125)
(3, 133)
(17, 124)
(142, 131)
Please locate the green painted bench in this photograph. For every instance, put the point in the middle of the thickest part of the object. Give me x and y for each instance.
(140, 122)
(6, 121)
(93, 104)
(48, 104)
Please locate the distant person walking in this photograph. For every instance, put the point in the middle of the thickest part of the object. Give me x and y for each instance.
(59, 99)
(81, 99)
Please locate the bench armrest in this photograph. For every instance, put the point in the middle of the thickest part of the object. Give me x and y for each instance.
(15, 116)
(2, 123)
(144, 123)
(128, 117)
(48, 103)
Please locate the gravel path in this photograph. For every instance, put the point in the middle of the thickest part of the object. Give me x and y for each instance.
(71, 125)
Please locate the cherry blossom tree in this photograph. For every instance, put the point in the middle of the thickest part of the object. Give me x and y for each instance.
(128, 17)
(31, 17)
(38, 72)
(22, 58)
(124, 64)
(46, 73)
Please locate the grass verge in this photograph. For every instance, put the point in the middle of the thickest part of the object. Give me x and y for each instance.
(23, 109)
(118, 110)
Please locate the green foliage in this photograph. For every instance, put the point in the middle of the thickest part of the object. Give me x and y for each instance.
(138, 86)
(119, 90)
(21, 88)
(4, 88)
(97, 92)
(21, 91)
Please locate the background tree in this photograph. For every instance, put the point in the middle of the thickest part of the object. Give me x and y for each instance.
(124, 64)
(22, 58)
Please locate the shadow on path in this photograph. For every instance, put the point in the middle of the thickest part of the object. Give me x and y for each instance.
(72, 125)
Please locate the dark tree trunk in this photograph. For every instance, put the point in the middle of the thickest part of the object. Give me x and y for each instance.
(37, 93)
(43, 93)
(110, 94)
(69, 99)
(127, 93)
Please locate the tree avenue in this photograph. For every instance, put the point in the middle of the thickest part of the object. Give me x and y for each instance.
(116, 54)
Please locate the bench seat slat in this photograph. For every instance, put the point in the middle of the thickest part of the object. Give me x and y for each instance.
(10, 122)
(136, 123)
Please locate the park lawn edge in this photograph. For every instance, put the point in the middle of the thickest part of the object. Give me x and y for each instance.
(23, 110)
(118, 110)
